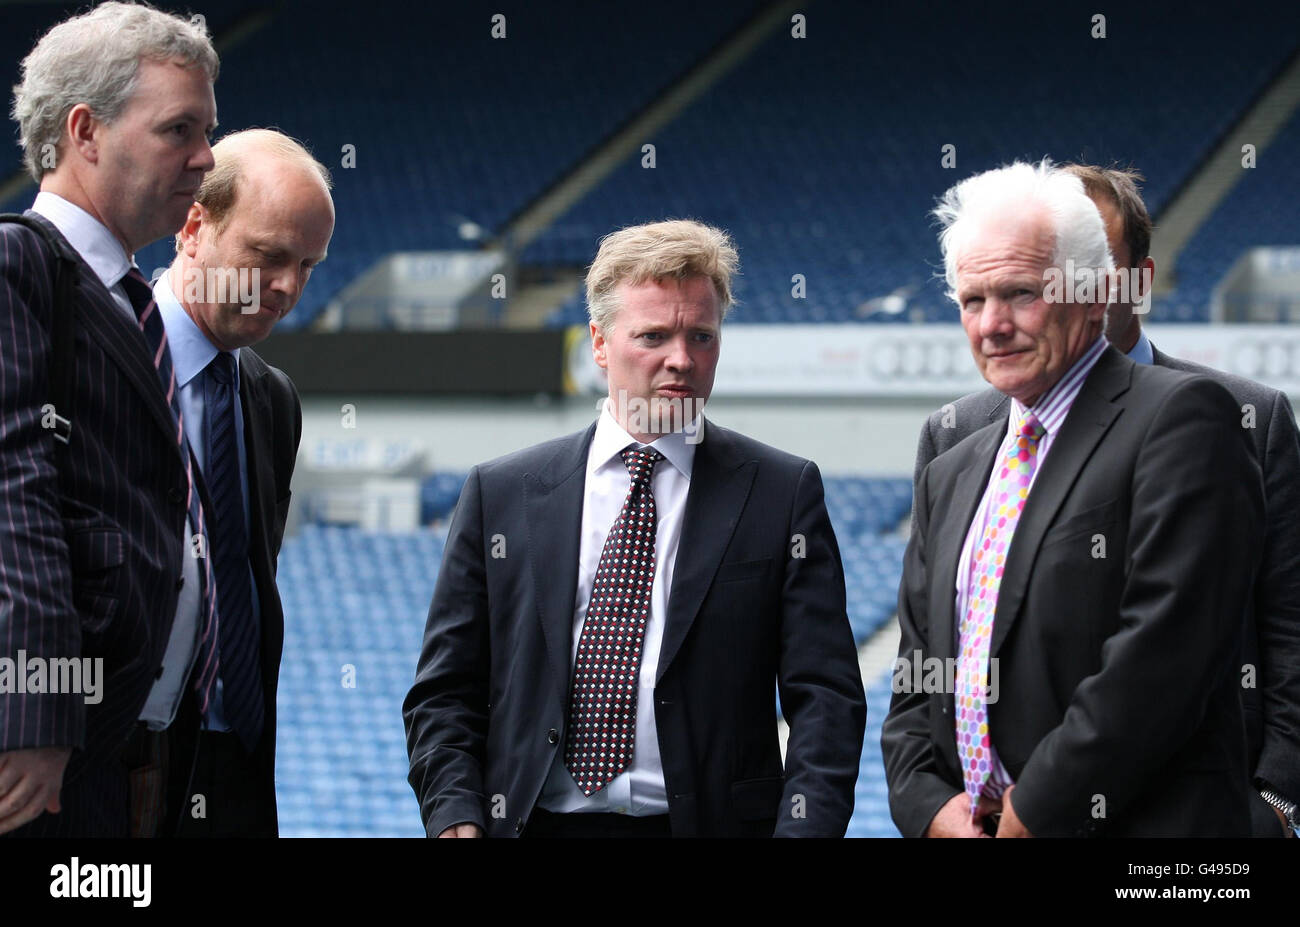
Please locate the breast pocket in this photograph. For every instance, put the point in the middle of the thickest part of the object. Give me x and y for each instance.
(1080, 569)
(1092, 530)
(741, 570)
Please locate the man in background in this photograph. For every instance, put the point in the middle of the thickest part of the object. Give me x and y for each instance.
(261, 221)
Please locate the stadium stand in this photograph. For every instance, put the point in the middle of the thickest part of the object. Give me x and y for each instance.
(823, 160)
(1260, 210)
(449, 133)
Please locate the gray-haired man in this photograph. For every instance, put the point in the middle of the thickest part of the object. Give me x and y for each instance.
(100, 566)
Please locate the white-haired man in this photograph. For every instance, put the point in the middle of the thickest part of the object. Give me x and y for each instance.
(1092, 551)
(106, 609)
(619, 602)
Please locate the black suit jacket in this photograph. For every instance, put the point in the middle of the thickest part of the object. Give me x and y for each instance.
(1118, 710)
(91, 544)
(1271, 641)
(488, 708)
(272, 431)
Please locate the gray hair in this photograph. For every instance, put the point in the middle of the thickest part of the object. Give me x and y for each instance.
(978, 201)
(677, 248)
(95, 59)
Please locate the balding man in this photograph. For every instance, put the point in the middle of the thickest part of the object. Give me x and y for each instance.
(262, 220)
(1090, 551)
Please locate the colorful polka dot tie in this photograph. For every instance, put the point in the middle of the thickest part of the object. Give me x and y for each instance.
(1012, 488)
(602, 706)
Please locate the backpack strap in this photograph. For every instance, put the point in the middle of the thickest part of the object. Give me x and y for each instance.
(61, 361)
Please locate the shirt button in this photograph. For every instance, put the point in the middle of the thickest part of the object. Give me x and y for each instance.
(552, 736)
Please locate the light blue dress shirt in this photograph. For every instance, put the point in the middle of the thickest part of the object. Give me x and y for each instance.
(1142, 352)
(191, 354)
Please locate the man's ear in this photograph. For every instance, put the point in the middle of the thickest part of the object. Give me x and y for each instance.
(189, 232)
(82, 127)
(1146, 277)
(598, 346)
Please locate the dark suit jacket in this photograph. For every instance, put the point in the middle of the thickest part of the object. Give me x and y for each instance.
(1271, 640)
(272, 430)
(1118, 710)
(488, 708)
(90, 546)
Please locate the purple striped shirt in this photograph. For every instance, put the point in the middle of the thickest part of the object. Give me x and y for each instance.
(1050, 410)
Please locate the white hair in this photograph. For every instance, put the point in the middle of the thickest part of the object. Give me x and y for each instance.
(982, 200)
(95, 59)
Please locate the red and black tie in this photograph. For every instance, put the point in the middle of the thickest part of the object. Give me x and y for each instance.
(602, 706)
(204, 676)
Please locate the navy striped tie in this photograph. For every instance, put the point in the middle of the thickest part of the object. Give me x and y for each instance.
(241, 693)
(204, 675)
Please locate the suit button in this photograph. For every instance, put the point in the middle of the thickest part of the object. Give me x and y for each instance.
(180, 583)
(158, 675)
(519, 826)
(552, 736)
(176, 495)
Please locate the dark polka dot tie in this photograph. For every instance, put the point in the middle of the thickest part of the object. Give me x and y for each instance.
(602, 704)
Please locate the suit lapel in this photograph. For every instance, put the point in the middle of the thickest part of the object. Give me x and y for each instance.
(966, 495)
(259, 431)
(720, 481)
(1089, 419)
(553, 501)
(105, 325)
(255, 403)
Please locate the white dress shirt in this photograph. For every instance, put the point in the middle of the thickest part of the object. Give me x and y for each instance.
(639, 789)
(110, 262)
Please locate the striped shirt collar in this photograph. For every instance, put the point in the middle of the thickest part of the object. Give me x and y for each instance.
(1054, 405)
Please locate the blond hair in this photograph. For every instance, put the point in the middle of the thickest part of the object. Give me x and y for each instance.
(677, 249)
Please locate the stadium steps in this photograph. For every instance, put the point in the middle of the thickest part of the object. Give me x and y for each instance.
(1222, 171)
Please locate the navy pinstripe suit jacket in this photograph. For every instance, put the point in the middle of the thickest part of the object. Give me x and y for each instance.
(91, 544)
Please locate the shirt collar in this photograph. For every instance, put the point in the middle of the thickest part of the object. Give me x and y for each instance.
(91, 239)
(190, 348)
(1143, 352)
(611, 438)
(1054, 405)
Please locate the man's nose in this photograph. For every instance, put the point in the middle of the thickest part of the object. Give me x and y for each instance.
(203, 159)
(995, 318)
(679, 357)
